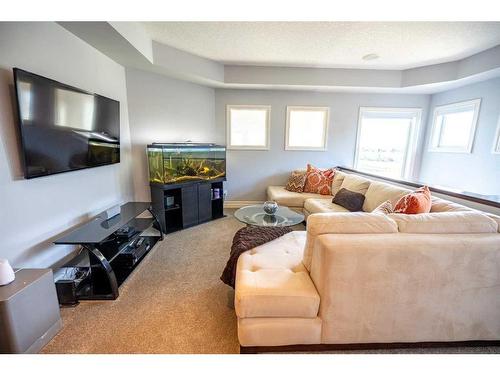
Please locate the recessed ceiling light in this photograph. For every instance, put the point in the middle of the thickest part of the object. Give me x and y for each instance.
(370, 56)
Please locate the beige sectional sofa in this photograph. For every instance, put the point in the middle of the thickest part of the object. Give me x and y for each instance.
(375, 193)
(365, 278)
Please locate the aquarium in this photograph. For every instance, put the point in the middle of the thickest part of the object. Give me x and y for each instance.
(171, 163)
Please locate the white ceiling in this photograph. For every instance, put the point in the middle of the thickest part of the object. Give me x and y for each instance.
(400, 45)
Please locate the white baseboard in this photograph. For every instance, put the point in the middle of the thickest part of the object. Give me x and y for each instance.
(239, 204)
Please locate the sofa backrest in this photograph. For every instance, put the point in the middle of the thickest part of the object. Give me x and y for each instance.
(445, 222)
(355, 183)
(443, 205)
(379, 192)
(338, 179)
(346, 223)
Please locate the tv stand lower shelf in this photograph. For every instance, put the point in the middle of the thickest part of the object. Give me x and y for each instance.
(111, 249)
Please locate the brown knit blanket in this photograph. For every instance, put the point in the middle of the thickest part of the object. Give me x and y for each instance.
(245, 239)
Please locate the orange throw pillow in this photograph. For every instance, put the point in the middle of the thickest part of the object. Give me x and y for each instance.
(319, 181)
(417, 202)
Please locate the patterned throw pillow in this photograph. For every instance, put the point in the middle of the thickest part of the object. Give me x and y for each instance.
(417, 202)
(296, 182)
(384, 208)
(319, 181)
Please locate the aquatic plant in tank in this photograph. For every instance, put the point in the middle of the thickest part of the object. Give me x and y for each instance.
(171, 163)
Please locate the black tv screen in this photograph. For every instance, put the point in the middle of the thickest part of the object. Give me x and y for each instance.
(64, 128)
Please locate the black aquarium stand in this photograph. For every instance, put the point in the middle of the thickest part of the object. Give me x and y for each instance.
(183, 205)
(110, 251)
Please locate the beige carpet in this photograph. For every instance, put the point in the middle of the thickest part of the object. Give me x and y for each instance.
(173, 303)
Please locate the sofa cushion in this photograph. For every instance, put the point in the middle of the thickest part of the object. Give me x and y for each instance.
(316, 205)
(279, 331)
(271, 281)
(442, 205)
(289, 198)
(350, 222)
(355, 183)
(379, 192)
(338, 178)
(349, 199)
(496, 218)
(445, 222)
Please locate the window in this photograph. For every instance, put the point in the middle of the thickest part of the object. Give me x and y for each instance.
(387, 141)
(74, 109)
(453, 127)
(24, 89)
(248, 127)
(306, 128)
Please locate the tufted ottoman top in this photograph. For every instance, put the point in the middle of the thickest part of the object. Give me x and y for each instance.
(271, 281)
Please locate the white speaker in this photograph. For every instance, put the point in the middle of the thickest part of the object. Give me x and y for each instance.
(6, 272)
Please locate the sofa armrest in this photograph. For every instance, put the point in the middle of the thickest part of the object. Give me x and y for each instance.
(344, 222)
(408, 287)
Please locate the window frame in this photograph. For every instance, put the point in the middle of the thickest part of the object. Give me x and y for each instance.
(267, 108)
(433, 146)
(496, 140)
(412, 141)
(326, 125)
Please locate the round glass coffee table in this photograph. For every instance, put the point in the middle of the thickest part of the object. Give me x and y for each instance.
(255, 215)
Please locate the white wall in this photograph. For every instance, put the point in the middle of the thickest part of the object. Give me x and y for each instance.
(33, 211)
(478, 171)
(249, 172)
(163, 109)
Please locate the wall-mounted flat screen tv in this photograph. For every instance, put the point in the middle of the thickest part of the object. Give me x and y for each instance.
(64, 128)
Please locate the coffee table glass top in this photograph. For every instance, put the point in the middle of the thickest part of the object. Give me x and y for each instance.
(255, 215)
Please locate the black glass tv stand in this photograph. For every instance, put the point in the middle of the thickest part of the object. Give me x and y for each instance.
(108, 253)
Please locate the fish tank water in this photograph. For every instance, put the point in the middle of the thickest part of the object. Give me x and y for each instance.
(171, 163)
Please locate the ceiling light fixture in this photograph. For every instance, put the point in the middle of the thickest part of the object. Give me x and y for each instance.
(370, 56)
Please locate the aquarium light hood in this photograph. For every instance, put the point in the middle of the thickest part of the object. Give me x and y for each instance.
(185, 144)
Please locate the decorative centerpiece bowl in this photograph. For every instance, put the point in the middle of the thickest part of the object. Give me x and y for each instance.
(270, 207)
